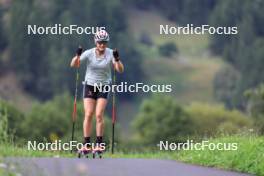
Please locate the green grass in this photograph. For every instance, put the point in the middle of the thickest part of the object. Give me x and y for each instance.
(248, 158)
(8, 150)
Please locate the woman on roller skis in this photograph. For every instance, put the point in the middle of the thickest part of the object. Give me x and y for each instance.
(99, 61)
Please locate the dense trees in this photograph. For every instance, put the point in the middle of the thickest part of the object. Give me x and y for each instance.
(42, 61)
(3, 39)
(244, 50)
(180, 11)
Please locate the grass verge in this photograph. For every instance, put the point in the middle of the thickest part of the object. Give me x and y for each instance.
(248, 158)
(7, 150)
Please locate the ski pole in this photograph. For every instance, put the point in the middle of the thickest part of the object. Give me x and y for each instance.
(74, 113)
(113, 112)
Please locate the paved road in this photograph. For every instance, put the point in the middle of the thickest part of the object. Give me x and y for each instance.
(111, 167)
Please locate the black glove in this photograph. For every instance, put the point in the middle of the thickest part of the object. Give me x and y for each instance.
(79, 51)
(116, 55)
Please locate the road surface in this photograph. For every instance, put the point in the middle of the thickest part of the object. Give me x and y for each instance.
(110, 167)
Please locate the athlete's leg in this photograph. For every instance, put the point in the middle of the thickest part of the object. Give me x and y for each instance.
(89, 106)
(99, 114)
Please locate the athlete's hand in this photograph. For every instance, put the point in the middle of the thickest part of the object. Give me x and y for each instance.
(76, 60)
(116, 55)
(79, 51)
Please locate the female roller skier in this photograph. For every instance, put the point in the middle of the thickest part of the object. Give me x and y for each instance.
(99, 61)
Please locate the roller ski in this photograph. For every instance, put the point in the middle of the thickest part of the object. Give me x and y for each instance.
(85, 152)
(98, 152)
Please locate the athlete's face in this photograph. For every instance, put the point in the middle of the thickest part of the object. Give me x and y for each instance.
(101, 45)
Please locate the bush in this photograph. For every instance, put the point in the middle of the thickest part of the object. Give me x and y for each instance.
(209, 120)
(161, 118)
(3, 127)
(168, 49)
(255, 106)
(48, 119)
(53, 120)
(10, 119)
(146, 39)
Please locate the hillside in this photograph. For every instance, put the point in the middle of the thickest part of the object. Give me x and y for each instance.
(187, 70)
(190, 72)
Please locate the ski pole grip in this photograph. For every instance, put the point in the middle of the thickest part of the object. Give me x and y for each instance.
(79, 51)
(116, 55)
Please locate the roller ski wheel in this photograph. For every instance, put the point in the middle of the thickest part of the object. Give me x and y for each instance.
(98, 153)
(85, 152)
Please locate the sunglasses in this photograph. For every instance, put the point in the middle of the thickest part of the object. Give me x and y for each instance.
(102, 42)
